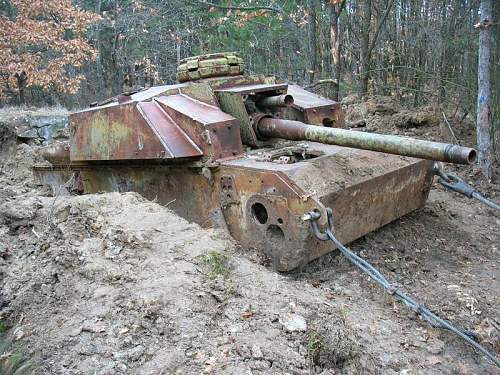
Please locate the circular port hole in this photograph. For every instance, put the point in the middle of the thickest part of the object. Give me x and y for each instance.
(259, 212)
(288, 99)
(275, 233)
(327, 122)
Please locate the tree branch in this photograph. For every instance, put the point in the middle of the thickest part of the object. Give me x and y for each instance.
(321, 82)
(379, 27)
(340, 8)
(230, 7)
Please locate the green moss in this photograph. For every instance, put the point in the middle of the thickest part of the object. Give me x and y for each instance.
(313, 345)
(217, 264)
(3, 326)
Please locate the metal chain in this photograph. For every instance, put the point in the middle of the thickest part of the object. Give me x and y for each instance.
(391, 288)
(455, 183)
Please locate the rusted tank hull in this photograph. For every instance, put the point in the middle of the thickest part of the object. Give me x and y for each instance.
(261, 198)
(365, 189)
(240, 151)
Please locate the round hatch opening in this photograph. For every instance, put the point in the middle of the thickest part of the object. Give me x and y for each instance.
(259, 213)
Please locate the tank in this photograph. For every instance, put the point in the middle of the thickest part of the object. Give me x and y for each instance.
(248, 153)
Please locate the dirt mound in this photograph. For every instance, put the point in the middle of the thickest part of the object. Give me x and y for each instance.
(113, 283)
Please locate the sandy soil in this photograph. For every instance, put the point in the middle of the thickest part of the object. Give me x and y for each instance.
(115, 284)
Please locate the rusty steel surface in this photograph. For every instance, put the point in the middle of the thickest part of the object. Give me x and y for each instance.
(204, 113)
(381, 200)
(216, 132)
(187, 191)
(152, 92)
(305, 99)
(276, 101)
(366, 196)
(316, 109)
(201, 91)
(233, 103)
(175, 140)
(256, 88)
(268, 127)
(62, 181)
(221, 83)
(267, 215)
(246, 89)
(57, 153)
(113, 133)
(329, 116)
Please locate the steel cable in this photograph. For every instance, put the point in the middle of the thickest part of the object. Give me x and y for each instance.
(428, 315)
(486, 201)
(392, 289)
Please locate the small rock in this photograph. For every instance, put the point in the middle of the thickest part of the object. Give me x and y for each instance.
(115, 250)
(92, 246)
(136, 353)
(94, 327)
(256, 352)
(432, 360)
(235, 329)
(92, 349)
(75, 332)
(74, 211)
(61, 215)
(122, 366)
(46, 289)
(341, 291)
(18, 334)
(293, 323)
(435, 346)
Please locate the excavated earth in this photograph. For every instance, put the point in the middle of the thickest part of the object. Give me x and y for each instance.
(115, 284)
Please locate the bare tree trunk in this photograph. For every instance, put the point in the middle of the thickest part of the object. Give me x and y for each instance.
(365, 41)
(313, 43)
(178, 48)
(98, 62)
(483, 129)
(335, 12)
(22, 78)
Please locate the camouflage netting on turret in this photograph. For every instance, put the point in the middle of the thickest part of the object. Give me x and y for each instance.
(212, 65)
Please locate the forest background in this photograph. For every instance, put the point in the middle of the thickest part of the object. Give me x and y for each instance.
(72, 53)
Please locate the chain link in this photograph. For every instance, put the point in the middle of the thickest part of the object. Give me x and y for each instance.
(455, 183)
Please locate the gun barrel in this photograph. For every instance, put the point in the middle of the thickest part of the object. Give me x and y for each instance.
(295, 130)
(276, 101)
